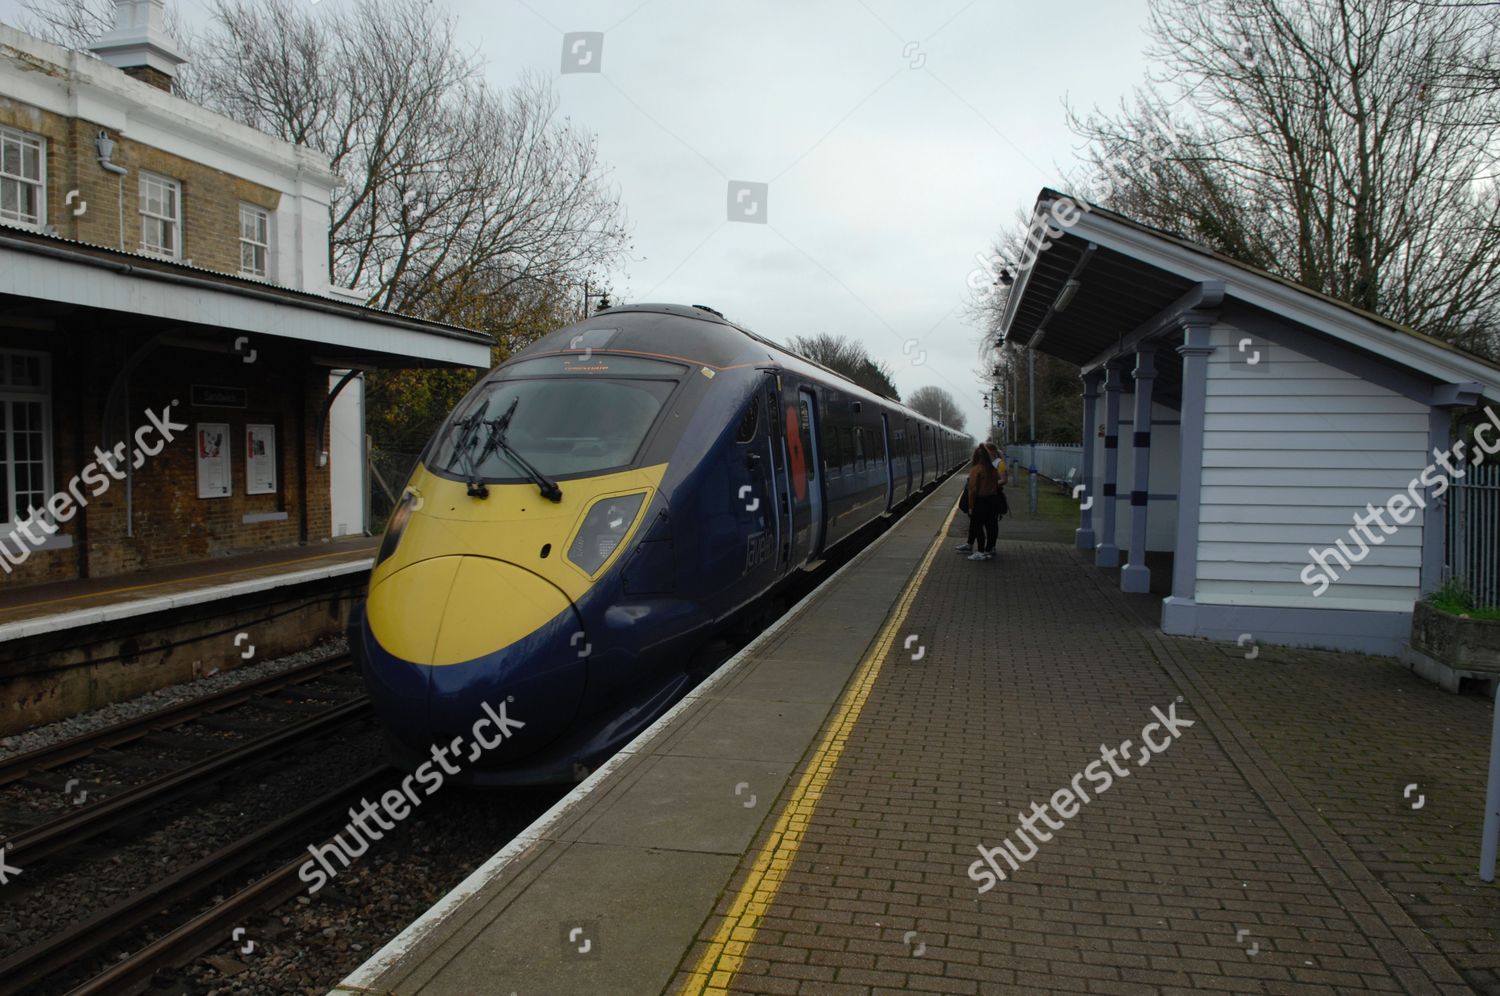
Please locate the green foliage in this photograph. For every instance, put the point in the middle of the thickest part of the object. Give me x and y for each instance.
(1454, 596)
(405, 407)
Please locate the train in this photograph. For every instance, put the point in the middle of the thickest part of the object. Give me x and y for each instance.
(599, 506)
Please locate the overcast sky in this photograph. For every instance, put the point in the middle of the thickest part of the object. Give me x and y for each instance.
(895, 137)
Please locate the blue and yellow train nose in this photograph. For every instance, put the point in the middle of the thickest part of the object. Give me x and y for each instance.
(476, 602)
(444, 635)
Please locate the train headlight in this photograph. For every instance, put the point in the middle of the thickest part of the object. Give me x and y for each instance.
(604, 529)
(396, 525)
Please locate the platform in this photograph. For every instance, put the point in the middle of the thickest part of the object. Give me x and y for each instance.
(33, 610)
(810, 819)
(72, 646)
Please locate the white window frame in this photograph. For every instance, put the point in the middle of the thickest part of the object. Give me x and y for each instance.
(263, 215)
(174, 220)
(10, 393)
(9, 134)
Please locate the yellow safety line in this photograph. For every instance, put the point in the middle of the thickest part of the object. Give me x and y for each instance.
(718, 965)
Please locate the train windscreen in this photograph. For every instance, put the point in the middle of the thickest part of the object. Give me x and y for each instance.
(580, 423)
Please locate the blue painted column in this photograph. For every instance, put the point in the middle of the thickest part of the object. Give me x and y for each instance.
(1107, 553)
(1136, 576)
(1195, 350)
(1084, 537)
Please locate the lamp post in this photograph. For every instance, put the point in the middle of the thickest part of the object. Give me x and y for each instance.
(1031, 495)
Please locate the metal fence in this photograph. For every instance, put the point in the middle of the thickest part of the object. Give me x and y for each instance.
(1051, 460)
(1473, 533)
(389, 470)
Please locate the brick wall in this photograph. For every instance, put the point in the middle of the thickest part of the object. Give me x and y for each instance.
(169, 523)
(111, 216)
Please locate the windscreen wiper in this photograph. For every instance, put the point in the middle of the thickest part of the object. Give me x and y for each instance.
(497, 440)
(477, 488)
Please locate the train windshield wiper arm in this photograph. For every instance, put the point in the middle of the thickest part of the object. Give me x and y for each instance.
(497, 440)
(477, 487)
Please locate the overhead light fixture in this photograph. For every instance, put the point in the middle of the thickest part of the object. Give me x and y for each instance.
(1065, 296)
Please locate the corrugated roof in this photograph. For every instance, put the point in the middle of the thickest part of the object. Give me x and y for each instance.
(1118, 292)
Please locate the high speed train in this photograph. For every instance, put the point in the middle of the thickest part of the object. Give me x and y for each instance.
(600, 505)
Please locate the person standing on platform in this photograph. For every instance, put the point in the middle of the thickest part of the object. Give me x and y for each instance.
(997, 458)
(984, 502)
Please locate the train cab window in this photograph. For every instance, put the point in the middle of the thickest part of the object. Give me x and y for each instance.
(564, 415)
(749, 421)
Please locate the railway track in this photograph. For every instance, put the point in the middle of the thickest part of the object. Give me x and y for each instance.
(174, 903)
(30, 763)
(90, 937)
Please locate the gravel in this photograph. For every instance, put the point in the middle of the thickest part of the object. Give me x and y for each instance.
(118, 712)
(313, 942)
(310, 943)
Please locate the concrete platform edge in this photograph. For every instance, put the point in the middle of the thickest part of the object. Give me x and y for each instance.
(162, 603)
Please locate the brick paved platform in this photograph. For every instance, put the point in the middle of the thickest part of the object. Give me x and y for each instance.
(1269, 848)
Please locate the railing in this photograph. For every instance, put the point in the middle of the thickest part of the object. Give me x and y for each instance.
(389, 470)
(1051, 461)
(1472, 533)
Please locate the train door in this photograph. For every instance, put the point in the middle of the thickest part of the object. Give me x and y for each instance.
(800, 480)
(890, 461)
(770, 450)
(807, 431)
(906, 445)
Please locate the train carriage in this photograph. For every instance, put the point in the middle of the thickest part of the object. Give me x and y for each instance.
(601, 505)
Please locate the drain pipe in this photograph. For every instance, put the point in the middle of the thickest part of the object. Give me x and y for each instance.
(106, 147)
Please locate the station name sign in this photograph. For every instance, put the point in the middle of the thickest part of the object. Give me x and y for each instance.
(214, 396)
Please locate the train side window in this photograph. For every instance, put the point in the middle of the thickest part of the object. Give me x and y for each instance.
(749, 422)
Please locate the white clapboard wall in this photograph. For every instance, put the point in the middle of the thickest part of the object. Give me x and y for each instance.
(1290, 455)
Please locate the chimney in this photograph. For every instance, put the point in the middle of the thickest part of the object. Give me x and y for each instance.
(139, 43)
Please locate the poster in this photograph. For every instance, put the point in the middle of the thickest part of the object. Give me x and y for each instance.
(260, 459)
(213, 460)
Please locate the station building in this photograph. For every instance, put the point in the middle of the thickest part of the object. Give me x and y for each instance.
(1238, 427)
(179, 378)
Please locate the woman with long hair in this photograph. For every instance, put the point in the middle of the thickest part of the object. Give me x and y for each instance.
(984, 502)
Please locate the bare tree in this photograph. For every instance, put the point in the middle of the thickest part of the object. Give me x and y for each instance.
(457, 200)
(74, 24)
(451, 188)
(850, 358)
(937, 404)
(1350, 146)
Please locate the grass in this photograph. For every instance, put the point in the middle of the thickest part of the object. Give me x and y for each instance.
(1052, 506)
(1454, 596)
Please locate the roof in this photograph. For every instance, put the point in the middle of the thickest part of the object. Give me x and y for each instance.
(720, 342)
(1130, 273)
(45, 267)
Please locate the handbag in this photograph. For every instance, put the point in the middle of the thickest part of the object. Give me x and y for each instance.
(1003, 504)
(963, 501)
